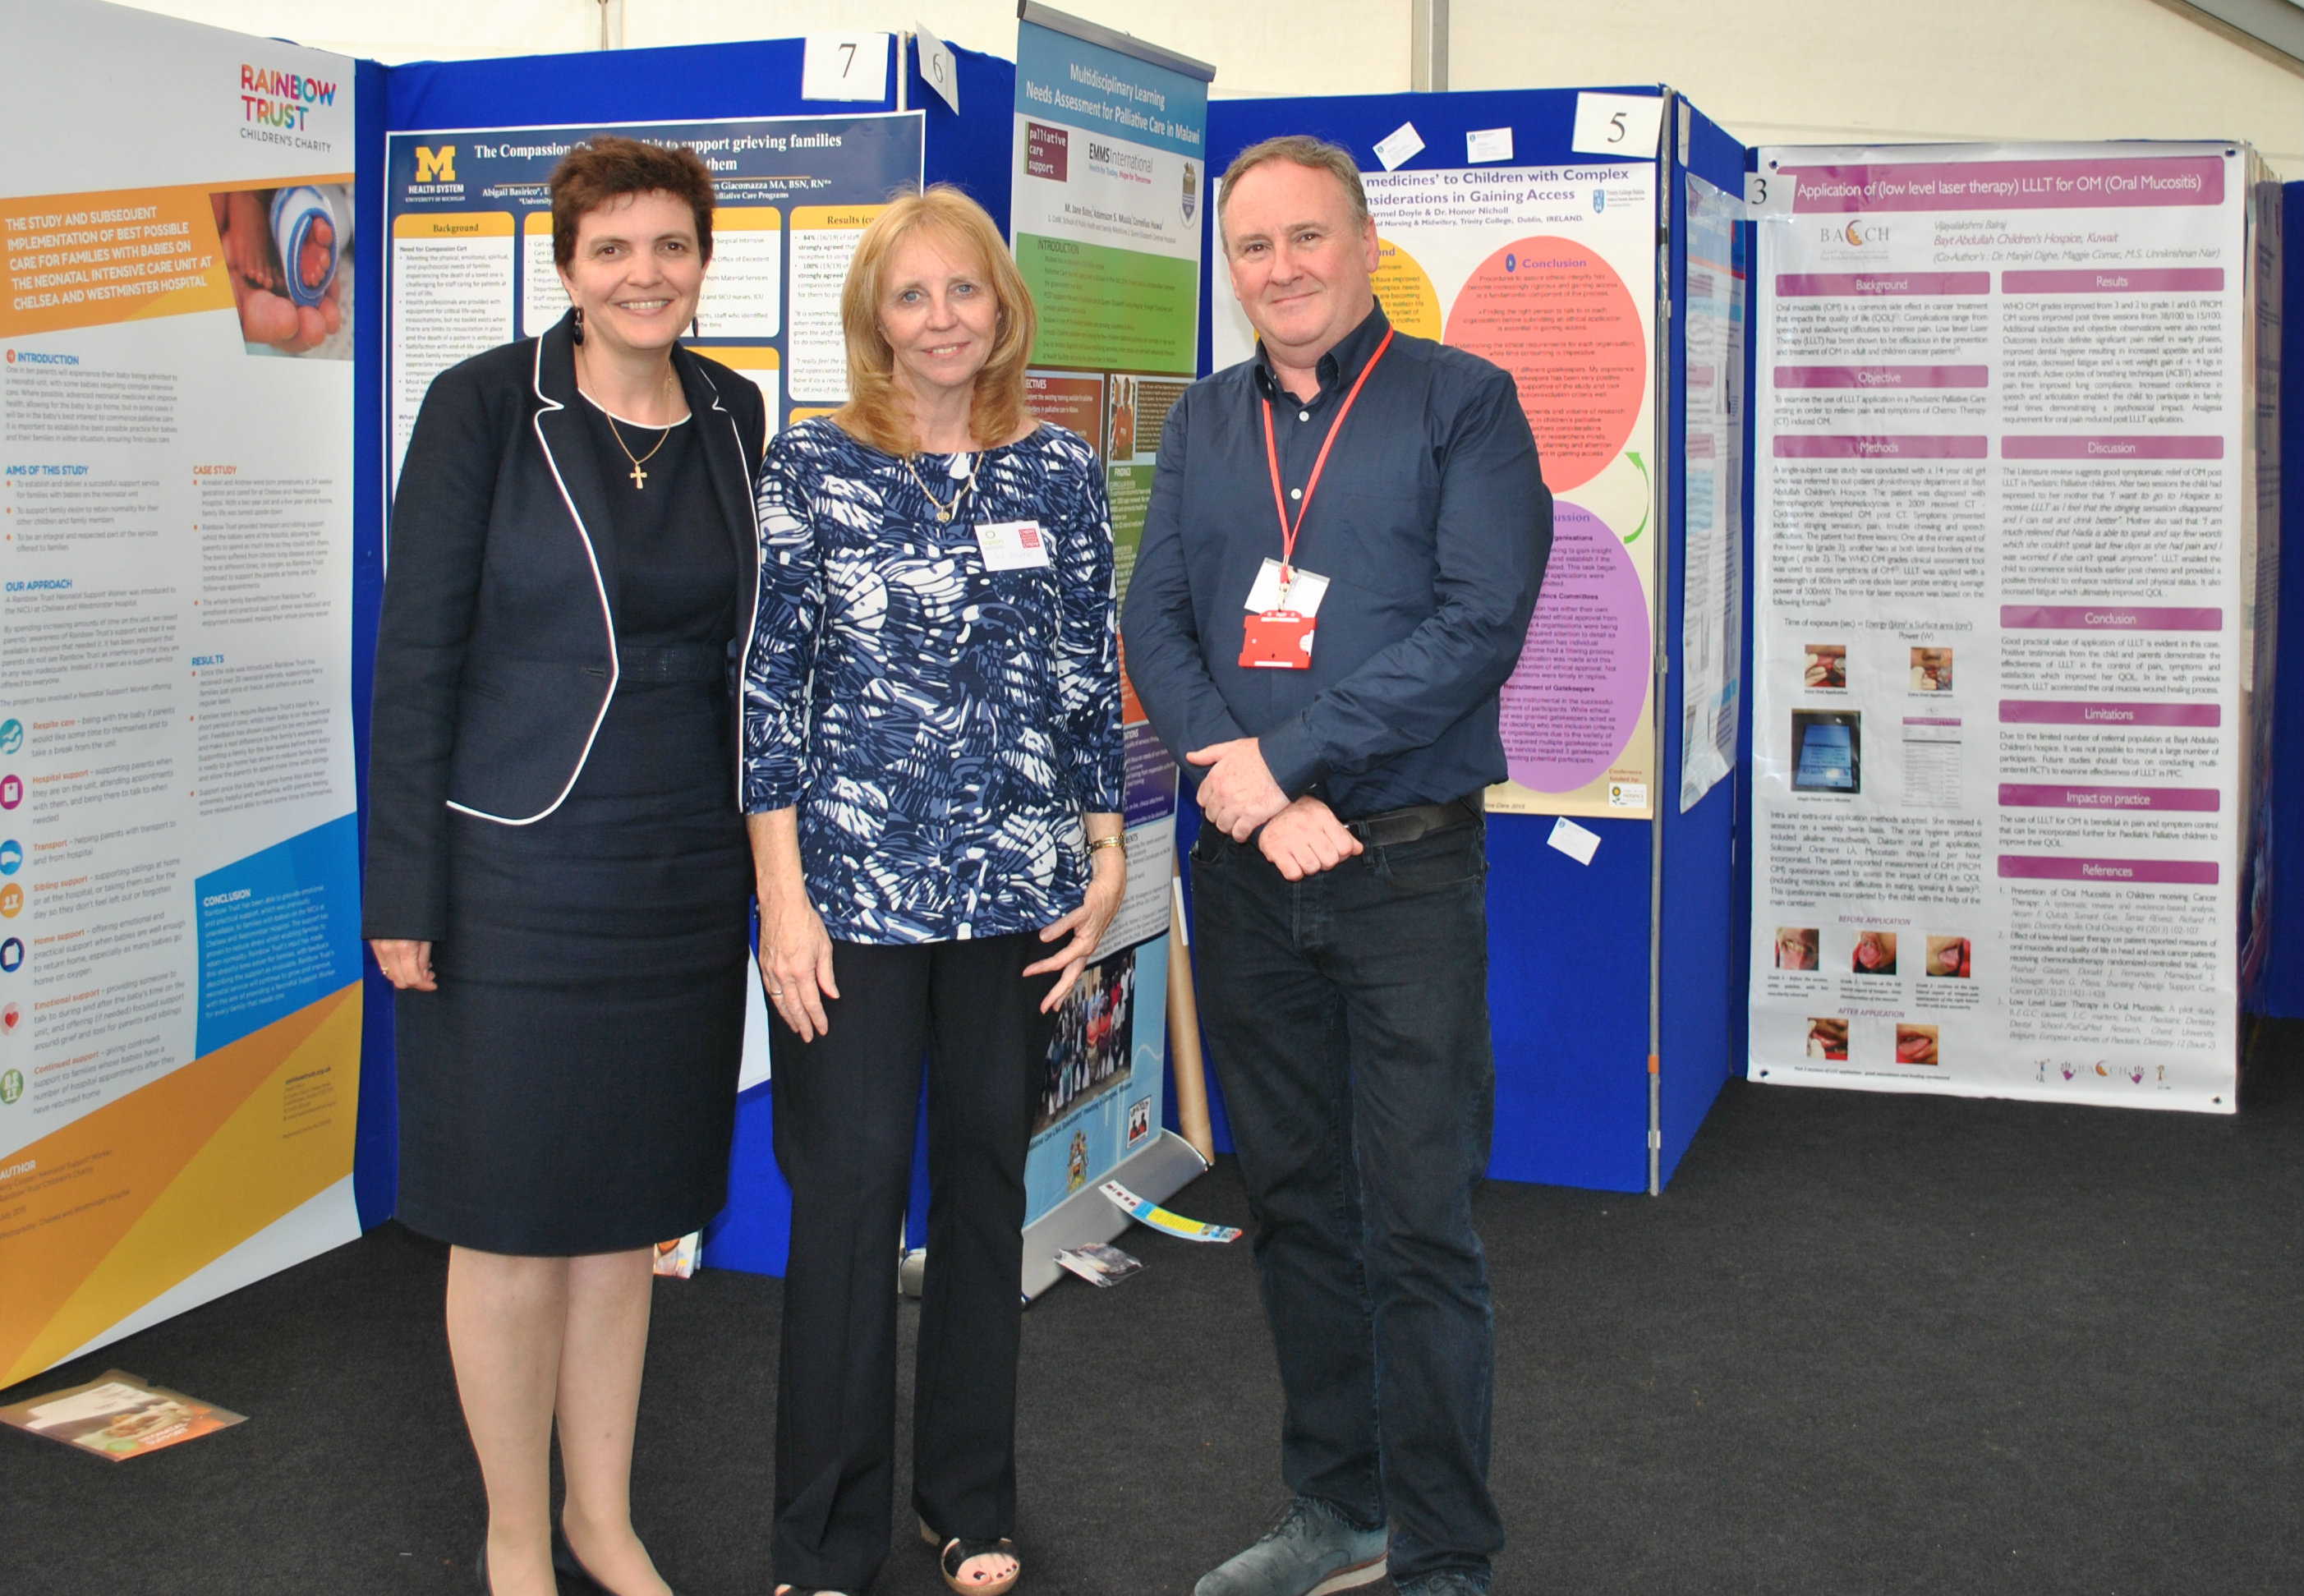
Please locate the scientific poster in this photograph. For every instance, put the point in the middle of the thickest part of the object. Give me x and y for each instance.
(179, 965)
(1110, 189)
(1549, 272)
(471, 215)
(2003, 620)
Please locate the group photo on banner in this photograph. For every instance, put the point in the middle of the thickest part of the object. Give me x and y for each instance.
(838, 813)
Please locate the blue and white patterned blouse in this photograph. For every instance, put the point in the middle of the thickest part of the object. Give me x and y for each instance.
(941, 726)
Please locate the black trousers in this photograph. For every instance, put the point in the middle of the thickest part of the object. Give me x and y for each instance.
(1347, 1014)
(846, 1106)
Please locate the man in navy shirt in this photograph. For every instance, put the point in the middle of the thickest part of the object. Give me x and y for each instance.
(1343, 551)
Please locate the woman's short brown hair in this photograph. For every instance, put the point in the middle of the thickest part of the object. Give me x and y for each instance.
(876, 412)
(605, 167)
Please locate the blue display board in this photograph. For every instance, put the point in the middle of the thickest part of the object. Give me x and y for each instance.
(1570, 944)
(699, 83)
(2280, 991)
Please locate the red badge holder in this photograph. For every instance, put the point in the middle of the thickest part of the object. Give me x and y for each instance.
(1277, 640)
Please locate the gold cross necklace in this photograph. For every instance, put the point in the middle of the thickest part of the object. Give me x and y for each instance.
(639, 477)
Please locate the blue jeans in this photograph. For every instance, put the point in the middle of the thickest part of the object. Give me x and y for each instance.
(1347, 1014)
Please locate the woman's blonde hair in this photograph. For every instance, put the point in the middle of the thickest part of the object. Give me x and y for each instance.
(875, 412)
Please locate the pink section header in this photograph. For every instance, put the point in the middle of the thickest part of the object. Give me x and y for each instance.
(1883, 377)
(1823, 445)
(2172, 279)
(2112, 873)
(1843, 285)
(2026, 796)
(2109, 617)
(2104, 447)
(2081, 712)
(2115, 183)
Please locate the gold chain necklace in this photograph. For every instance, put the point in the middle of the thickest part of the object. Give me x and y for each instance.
(639, 477)
(944, 513)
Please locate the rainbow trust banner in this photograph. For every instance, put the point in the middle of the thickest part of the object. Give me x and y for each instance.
(1111, 193)
(180, 1001)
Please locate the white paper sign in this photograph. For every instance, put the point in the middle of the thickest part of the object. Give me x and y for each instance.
(1580, 842)
(1768, 195)
(938, 70)
(1398, 145)
(1617, 124)
(843, 66)
(1487, 144)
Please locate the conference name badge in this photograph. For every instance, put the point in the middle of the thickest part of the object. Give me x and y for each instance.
(1013, 545)
(1277, 640)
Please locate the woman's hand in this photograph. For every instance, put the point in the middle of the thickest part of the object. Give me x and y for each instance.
(407, 965)
(1107, 882)
(796, 958)
(795, 952)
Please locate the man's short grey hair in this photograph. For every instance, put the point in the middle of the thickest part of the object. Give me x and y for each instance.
(1303, 150)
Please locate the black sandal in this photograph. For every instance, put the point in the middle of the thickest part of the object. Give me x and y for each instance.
(955, 1553)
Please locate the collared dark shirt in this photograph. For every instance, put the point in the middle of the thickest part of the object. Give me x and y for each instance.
(1432, 524)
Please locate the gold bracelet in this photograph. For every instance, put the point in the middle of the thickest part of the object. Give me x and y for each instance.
(1120, 842)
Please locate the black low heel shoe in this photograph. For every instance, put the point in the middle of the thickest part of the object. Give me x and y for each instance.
(571, 1569)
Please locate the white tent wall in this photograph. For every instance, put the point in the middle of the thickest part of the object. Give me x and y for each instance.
(1791, 71)
(1831, 71)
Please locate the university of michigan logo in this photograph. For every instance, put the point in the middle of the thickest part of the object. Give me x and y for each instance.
(436, 165)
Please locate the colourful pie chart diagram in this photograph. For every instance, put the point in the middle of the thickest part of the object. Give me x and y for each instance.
(1574, 698)
(1553, 314)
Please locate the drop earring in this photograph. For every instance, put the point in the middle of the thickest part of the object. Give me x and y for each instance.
(577, 332)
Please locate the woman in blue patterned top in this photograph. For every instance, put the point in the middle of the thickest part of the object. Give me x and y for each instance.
(933, 776)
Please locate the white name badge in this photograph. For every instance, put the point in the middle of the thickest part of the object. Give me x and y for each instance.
(1013, 545)
(1303, 596)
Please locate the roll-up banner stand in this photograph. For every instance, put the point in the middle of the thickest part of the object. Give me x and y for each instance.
(1109, 201)
(2013, 618)
(180, 955)
(1589, 241)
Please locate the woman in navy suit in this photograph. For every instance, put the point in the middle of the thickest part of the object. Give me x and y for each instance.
(557, 873)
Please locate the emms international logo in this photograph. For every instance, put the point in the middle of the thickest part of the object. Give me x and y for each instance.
(283, 100)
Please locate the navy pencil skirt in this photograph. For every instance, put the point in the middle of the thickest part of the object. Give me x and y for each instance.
(571, 1087)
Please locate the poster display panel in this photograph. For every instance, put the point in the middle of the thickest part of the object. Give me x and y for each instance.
(2003, 621)
(1548, 271)
(1712, 480)
(180, 960)
(1110, 187)
(469, 212)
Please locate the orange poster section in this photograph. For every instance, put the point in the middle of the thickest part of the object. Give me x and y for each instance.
(75, 260)
(104, 1214)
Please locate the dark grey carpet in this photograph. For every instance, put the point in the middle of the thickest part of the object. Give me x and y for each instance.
(1864, 1344)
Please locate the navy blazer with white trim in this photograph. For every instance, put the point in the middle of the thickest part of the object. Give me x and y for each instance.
(495, 656)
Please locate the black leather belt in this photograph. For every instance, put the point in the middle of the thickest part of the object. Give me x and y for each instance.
(1396, 826)
(673, 662)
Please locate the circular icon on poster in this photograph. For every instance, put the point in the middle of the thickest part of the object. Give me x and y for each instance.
(11, 1087)
(10, 1018)
(11, 901)
(12, 955)
(12, 734)
(11, 857)
(12, 792)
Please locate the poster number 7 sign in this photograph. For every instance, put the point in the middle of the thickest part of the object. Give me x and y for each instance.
(843, 66)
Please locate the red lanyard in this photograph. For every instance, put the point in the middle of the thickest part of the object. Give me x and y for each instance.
(1289, 530)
